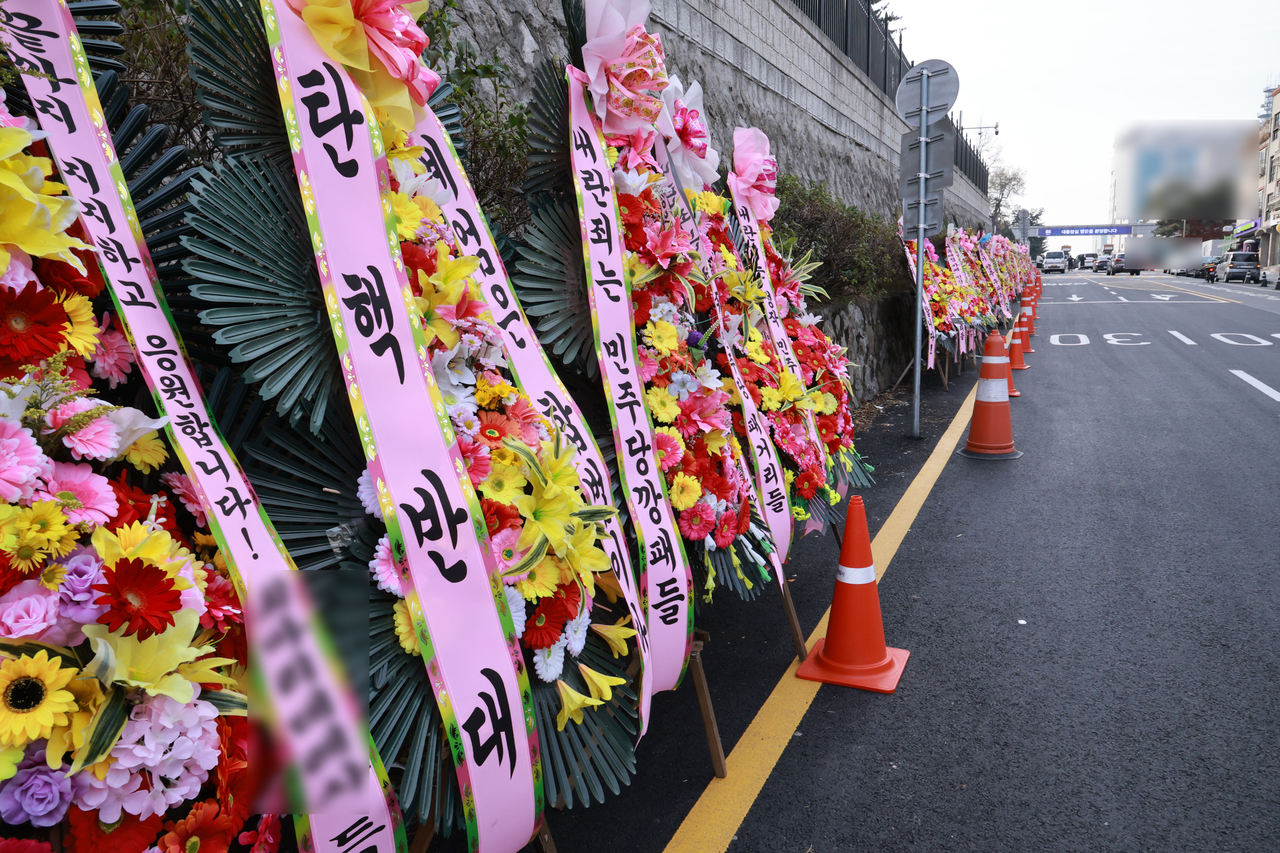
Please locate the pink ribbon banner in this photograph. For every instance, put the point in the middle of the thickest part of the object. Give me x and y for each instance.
(666, 579)
(777, 332)
(771, 490)
(454, 590)
(316, 717)
(528, 363)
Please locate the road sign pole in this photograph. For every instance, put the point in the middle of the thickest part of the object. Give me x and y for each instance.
(920, 229)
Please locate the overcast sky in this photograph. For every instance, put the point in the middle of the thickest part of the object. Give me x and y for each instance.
(1062, 78)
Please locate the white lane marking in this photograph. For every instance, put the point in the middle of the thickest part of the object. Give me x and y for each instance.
(1275, 334)
(1122, 299)
(1261, 386)
(1075, 298)
(1165, 296)
(1183, 338)
(1208, 300)
(1225, 337)
(1057, 341)
(1111, 338)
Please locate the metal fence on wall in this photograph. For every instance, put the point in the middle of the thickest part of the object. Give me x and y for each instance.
(866, 40)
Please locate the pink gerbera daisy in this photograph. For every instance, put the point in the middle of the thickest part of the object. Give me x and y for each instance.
(224, 606)
(113, 360)
(22, 462)
(477, 458)
(186, 491)
(523, 413)
(494, 427)
(384, 569)
(98, 503)
(668, 449)
(697, 521)
(503, 548)
(100, 439)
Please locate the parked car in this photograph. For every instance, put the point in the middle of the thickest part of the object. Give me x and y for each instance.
(1241, 265)
(1055, 261)
(1117, 266)
(1102, 263)
(1207, 265)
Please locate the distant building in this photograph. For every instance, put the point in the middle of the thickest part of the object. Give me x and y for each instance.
(1268, 233)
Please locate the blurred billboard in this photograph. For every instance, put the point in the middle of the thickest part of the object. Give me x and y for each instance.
(1162, 253)
(1187, 170)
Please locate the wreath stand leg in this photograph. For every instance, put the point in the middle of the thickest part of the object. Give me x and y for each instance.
(788, 606)
(543, 842)
(700, 638)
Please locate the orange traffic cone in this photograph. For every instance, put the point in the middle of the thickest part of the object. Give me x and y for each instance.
(991, 428)
(853, 653)
(1024, 336)
(1008, 374)
(1031, 321)
(1016, 349)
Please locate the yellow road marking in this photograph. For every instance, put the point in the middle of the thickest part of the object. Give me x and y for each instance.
(709, 827)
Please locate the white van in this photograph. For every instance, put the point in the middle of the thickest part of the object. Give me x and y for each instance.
(1055, 261)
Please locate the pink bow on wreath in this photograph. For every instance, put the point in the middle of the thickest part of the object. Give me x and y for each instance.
(755, 173)
(623, 65)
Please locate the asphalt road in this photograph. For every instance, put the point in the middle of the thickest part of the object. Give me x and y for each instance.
(1092, 627)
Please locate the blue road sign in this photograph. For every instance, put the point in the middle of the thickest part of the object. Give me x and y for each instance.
(1080, 230)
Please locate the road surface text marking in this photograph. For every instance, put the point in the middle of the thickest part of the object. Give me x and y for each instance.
(1183, 338)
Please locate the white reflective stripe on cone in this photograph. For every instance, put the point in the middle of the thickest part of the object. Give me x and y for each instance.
(993, 390)
(997, 359)
(848, 575)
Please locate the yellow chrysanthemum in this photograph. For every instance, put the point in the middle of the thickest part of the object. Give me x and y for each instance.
(571, 704)
(147, 453)
(662, 405)
(542, 579)
(755, 352)
(708, 202)
(44, 523)
(25, 553)
(404, 629)
(684, 491)
(616, 635)
(83, 335)
(662, 336)
(32, 697)
(504, 485)
(52, 576)
(408, 215)
(503, 456)
(489, 394)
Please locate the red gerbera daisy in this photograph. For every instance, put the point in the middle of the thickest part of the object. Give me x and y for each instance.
(91, 835)
(546, 624)
(211, 831)
(24, 845)
(494, 427)
(499, 516)
(32, 325)
(726, 529)
(807, 483)
(138, 595)
(744, 516)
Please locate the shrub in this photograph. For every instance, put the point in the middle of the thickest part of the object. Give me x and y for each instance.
(860, 252)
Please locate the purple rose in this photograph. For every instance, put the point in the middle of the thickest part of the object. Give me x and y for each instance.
(84, 569)
(36, 793)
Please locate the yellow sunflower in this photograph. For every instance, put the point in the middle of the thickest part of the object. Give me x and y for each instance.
(32, 698)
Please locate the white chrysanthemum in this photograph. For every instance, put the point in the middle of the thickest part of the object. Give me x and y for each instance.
(549, 662)
(575, 633)
(368, 494)
(519, 613)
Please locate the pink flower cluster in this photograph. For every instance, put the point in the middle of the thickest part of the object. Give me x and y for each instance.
(163, 758)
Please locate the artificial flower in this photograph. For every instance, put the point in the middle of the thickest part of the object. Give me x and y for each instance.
(546, 512)
(22, 462)
(404, 628)
(140, 598)
(90, 834)
(571, 704)
(684, 491)
(697, 521)
(616, 635)
(33, 324)
(384, 569)
(37, 794)
(164, 664)
(600, 685)
(33, 697)
(205, 828)
(147, 453)
(77, 483)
